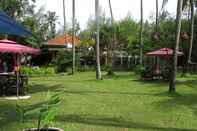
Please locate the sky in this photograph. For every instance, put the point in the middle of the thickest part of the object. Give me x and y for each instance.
(85, 8)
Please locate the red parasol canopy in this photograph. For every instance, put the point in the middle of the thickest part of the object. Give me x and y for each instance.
(163, 52)
(7, 46)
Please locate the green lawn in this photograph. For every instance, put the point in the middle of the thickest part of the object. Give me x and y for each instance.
(121, 103)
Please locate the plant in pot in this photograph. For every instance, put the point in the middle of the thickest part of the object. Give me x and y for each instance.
(45, 114)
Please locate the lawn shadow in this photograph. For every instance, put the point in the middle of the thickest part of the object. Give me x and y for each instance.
(152, 82)
(177, 100)
(112, 122)
(37, 88)
(113, 77)
(189, 83)
(82, 92)
(8, 114)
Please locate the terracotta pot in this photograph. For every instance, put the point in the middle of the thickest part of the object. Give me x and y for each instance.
(49, 129)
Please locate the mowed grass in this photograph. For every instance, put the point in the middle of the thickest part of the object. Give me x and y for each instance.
(119, 103)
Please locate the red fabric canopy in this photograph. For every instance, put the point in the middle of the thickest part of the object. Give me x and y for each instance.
(7, 46)
(163, 52)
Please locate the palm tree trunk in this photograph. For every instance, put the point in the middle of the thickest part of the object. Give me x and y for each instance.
(157, 15)
(73, 38)
(98, 68)
(113, 38)
(64, 15)
(172, 84)
(191, 31)
(141, 35)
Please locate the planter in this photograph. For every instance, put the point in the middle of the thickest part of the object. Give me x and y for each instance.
(49, 129)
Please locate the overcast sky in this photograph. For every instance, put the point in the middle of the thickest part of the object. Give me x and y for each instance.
(85, 8)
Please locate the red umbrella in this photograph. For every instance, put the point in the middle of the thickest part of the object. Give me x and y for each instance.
(7, 46)
(163, 52)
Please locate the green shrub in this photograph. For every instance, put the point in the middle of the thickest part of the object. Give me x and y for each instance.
(139, 69)
(37, 70)
(108, 69)
(63, 61)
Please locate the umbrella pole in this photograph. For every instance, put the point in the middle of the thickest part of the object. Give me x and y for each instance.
(17, 76)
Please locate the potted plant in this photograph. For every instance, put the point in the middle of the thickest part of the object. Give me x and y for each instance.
(45, 115)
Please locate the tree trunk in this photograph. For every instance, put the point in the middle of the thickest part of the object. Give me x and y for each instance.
(191, 31)
(157, 16)
(73, 38)
(141, 35)
(112, 45)
(64, 15)
(98, 67)
(172, 84)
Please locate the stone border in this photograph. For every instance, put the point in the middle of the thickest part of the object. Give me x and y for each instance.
(15, 98)
(35, 129)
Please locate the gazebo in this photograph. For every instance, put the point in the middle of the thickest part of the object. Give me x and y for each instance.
(163, 52)
(9, 26)
(14, 81)
(155, 71)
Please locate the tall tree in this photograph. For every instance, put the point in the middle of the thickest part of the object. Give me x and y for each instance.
(157, 15)
(192, 4)
(98, 68)
(64, 15)
(17, 8)
(172, 84)
(141, 33)
(112, 45)
(73, 38)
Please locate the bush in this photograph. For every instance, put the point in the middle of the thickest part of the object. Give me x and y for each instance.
(139, 69)
(108, 69)
(63, 61)
(37, 70)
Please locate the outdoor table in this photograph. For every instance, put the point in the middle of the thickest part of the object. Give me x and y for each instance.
(8, 83)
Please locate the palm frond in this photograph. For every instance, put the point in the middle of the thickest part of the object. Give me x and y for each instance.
(164, 3)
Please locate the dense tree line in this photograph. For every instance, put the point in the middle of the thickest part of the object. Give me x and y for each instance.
(42, 24)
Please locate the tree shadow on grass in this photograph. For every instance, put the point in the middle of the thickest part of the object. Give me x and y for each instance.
(187, 99)
(189, 83)
(177, 100)
(113, 77)
(113, 122)
(82, 92)
(152, 82)
(7, 114)
(43, 88)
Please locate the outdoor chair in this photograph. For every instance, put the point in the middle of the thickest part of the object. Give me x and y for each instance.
(147, 75)
(3, 86)
(11, 86)
(166, 74)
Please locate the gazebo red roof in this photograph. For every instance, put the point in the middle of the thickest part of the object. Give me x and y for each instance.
(7, 46)
(163, 52)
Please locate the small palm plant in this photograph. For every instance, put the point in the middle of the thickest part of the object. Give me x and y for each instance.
(46, 112)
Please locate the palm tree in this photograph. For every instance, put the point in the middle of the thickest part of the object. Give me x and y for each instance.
(64, 15)
(113, 39)
(164, 3)
(192, 4)
(172, 84)
(73, 37)
(141, 34)
(98, 67)
(157, 15)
